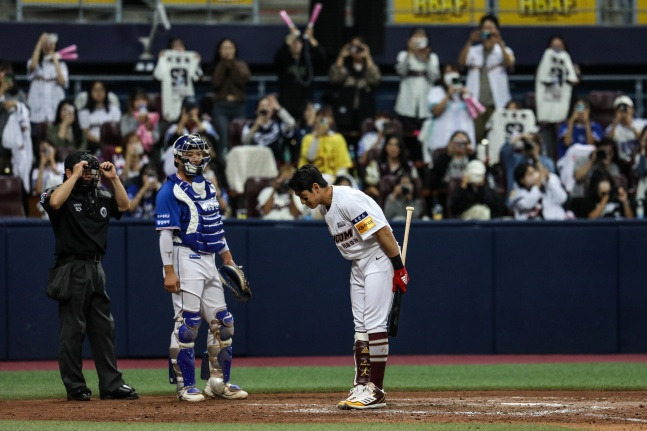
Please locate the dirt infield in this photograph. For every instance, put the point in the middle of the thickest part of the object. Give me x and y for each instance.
(603, 411)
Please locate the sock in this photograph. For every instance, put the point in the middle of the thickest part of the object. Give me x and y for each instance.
(379, 348)
(362, 361)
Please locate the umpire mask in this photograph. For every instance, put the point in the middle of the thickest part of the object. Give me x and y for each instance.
(91, 173)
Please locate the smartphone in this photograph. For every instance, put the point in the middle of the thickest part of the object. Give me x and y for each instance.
(8, 79)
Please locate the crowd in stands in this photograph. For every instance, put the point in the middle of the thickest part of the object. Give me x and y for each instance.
(455, 144)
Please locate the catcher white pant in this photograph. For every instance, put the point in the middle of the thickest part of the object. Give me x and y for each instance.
(371, 284)
(201, 289)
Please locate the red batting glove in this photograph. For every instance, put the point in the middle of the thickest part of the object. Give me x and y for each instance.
(400, 279)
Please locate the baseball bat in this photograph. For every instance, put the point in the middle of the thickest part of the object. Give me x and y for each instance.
(394, 315)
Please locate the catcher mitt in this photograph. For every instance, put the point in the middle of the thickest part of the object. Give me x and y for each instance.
(234, 279)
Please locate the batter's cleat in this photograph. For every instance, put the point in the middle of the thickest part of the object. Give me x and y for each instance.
(190, 394)
(370, 398)
(351, 395)
(216, 387)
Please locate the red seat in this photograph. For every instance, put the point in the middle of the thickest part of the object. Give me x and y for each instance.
(111, 134)
(11, 204)
(253, 187)
(236, 131)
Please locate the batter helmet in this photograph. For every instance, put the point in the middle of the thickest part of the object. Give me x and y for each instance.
(93, 166)
(187, 143)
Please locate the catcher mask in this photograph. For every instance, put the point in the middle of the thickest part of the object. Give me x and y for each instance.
(185, 149)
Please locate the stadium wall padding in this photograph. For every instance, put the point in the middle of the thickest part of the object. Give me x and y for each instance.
(476, 288)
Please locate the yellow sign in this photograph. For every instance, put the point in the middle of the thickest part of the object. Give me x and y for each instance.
(641, 12)
(438, 11)
(547, 12)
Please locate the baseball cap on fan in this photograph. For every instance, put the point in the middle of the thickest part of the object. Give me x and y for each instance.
(623, 100)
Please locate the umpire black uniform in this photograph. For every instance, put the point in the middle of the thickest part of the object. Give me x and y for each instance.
(79, 211)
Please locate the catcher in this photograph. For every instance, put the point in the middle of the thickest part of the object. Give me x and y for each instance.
(191, 234)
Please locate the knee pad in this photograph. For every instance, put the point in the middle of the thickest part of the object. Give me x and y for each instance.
(187, 331)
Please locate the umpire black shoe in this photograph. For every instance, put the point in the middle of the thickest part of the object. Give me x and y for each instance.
(81, 394)
(123, 392)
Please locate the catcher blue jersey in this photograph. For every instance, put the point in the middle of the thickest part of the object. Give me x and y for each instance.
(195, 220)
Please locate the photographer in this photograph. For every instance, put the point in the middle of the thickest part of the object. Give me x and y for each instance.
(525, 148)
(404, 194)
(578, 129)
(625, 131)
(277, 202)
(142, 191)
(449, 112)
(599, 163)
(538, 194)
(49, 172)
(272, 128)
(485, 56)
(475, 199)
(450, 165)
(604, 200)
(48, 77)
(356, 77)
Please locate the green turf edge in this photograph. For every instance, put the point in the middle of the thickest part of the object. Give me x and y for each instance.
(120, 426)
(592, 376)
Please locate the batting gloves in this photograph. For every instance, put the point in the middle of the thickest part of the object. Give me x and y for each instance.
(400, 279)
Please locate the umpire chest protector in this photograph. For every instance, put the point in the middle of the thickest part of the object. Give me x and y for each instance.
(81, 224)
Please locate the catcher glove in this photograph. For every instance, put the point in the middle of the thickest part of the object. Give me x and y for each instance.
(234, 279)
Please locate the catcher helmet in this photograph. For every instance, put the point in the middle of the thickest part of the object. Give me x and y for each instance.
(186, 143)
(92, 167)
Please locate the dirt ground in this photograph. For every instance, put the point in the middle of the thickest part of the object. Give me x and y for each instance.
(599, 411)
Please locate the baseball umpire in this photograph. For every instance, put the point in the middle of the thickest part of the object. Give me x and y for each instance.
(79, 211)
(191, 234)
(362, 235)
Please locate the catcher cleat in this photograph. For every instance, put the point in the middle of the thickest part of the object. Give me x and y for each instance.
(190, 394)
(370, 398)
(216, 387)
(357, 390)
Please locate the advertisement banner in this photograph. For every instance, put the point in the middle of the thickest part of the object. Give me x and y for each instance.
(547, 12)
(438, 11)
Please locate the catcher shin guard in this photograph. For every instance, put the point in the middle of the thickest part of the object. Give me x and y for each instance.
(219, 345)
(362, 359)
(186, 332)
(379, 348)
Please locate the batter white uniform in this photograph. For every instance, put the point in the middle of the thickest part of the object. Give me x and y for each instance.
(353, 219)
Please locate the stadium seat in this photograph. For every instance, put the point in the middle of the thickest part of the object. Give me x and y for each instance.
(602, 109)
(253, 187)
(11, 204)
(111, 134)
(236, 131)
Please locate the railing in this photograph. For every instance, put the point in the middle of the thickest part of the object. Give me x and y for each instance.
(260, 85)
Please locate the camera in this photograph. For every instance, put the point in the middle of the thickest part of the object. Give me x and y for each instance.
(46, 152)
(485, 35)
(152, 178)
(263, 112)
(601, 154)
(580, 107)
(143, 110)
(354, 49)
(623, 107)
(528, 145)
(406, 190)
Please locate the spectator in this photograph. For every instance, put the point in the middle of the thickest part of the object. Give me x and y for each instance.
(189, 123)
(48, 78)
(355, 77)
(554, 81)
(625, 131)
(506, 125)
(277, 202)
(272, 128)
(325, 148)
(639, 169)
(538, 194)
(230, 75)
(177, 69)
(487, 65)
(97, 111)
(418, 68)
(525, 148)
(475, 199)
(404, 194)
(450, 165)
(604, 200)
(449, 112)
(393, 161)
(139, 119)
(296, 62)
(305, 125)
(579, 129)
(49, 173)
(599, 163)
(66, 131)
(130, 157)
(15, 137)
(371, 142)
(142, 190)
